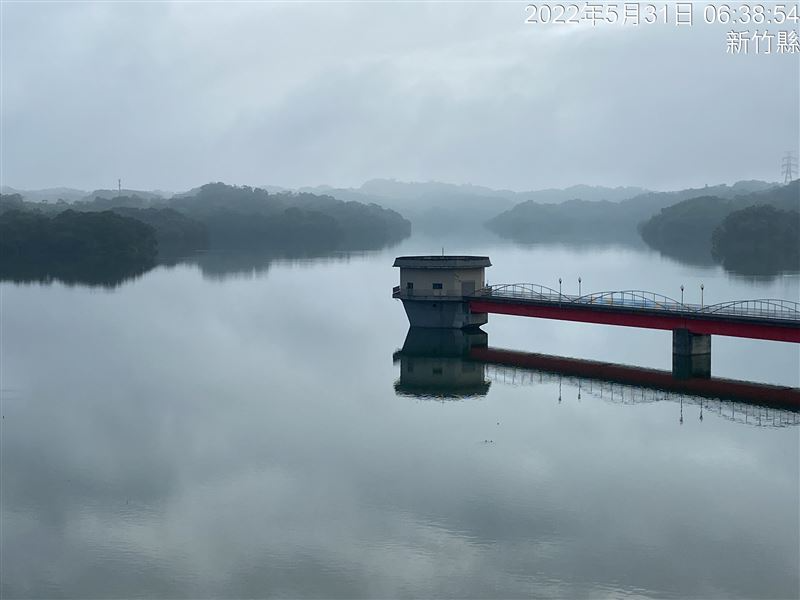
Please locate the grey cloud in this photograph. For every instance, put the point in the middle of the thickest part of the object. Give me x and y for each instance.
(170, 96)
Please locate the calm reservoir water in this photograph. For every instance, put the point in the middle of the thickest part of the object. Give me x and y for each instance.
(237, 432)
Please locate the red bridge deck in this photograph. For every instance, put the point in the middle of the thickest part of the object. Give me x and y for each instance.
(777, 320)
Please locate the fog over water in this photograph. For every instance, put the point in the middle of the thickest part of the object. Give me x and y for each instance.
(187, 435)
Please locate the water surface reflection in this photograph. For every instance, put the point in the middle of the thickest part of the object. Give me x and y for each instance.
(183, 436)
(458, 363)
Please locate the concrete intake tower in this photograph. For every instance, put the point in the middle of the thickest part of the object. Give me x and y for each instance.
(434, 289)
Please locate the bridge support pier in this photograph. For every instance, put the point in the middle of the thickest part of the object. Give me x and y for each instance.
(691, 354)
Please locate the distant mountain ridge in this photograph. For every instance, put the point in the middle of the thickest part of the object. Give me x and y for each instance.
(75, 195)
(402, 190)
(578, 212)
(47, 194)
(532, 221)
(415, 191)
(109, 194)
(433, 205)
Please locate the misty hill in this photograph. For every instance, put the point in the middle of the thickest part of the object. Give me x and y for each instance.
(175, 232)
(220, 216)
(579, 219)
(435, 205)
(106, 235)
(684, 230)
(241, 215)
(646, 205)
(571, 220)
(410, 191)
(70, 195)
(46, 195)
(144, 195)
(428, 206)
(131, 200)
(758, 240)
(12, 202)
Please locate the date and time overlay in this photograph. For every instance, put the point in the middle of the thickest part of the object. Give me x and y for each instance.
(763, 28)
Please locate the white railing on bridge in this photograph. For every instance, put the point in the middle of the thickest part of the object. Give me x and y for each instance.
(766, 308)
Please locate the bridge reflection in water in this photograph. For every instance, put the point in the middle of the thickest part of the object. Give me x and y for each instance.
(453, 364)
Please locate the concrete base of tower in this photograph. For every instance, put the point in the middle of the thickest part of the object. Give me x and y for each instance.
(442, 313)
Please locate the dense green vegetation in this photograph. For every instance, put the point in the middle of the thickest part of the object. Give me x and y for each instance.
(685, 230)
(71, 234)
(758, 240)
(254, 222)
(241, 216)
(222, 216)
(176, 233)
(12, 202)
(129, 229)
(94, 248)
(574, 220)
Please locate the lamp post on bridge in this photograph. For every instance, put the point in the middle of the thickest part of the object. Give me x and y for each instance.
(681, 294)
(579, 286)
(559, 289)
(701, 295)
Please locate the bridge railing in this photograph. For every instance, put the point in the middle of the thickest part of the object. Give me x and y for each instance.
(622, 393)
(634, 299)
(530, 291)
(764, 308)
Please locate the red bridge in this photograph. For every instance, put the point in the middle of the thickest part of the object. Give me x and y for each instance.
(450, 292)
(767, 319)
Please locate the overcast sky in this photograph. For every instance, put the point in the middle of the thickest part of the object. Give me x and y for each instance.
(170, 96)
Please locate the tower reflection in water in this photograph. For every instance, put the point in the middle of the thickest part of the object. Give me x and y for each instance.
(454, 364)
(436, 363)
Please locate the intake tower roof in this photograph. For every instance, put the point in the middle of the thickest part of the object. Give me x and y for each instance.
(442, 262)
